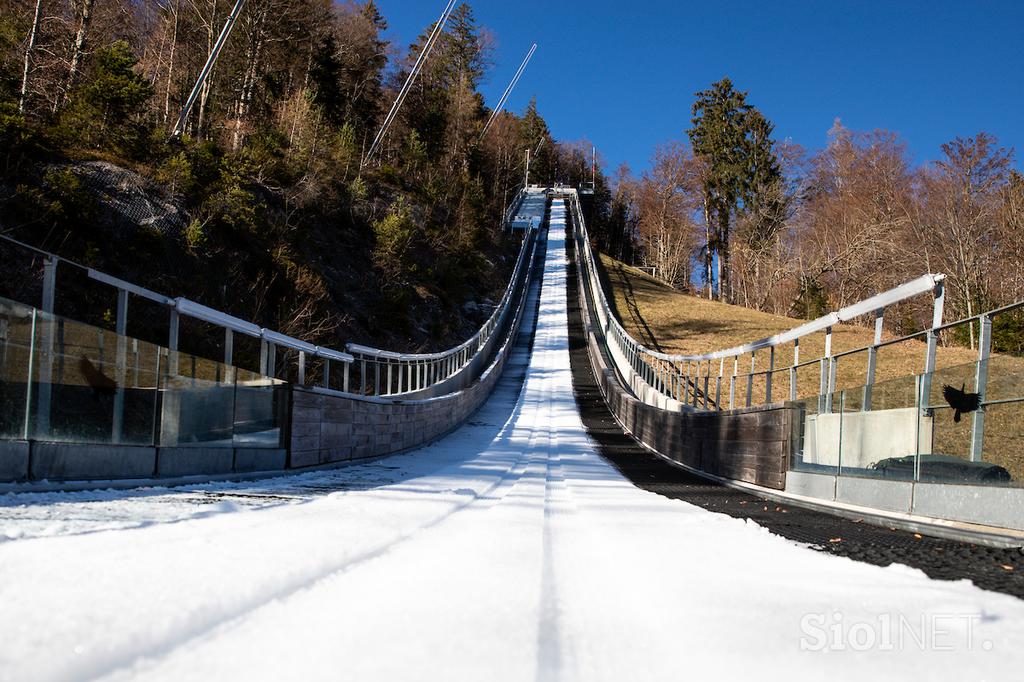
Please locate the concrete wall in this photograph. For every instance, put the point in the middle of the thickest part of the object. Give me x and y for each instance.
(753, 445)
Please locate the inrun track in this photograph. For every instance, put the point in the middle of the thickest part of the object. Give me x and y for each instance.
(509, 550)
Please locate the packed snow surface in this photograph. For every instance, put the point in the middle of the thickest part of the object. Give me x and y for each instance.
(507, 551)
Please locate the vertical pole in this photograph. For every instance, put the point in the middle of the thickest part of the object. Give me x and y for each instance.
(46, 349)
(264, 357)
(793, 370)
(771, 371)
(117, 428)
(933, 343)
(718, 384)
(229, 357)
(869, 380)
(750, 378)
(327, 373)
(345, 379)
(26, 431)
(271, 360)
(732, 381)
(824, 396)
(980, 384)
(172, 342)
(302, 368)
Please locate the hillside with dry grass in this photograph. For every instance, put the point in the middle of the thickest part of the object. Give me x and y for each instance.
(671, 321)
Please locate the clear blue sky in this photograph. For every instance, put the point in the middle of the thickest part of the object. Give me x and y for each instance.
(623, 74)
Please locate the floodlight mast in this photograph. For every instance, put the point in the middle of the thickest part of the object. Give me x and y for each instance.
(508, 91)
(179, 127)
(409, 81)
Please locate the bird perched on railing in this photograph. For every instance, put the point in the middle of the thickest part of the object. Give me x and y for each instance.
(961, 401)
(100, 383)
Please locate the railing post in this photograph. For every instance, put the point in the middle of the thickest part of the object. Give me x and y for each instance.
(26, 431)
(390, 385)
(172, 343)
(376, 377)
(980, 384)
(117, 428)
(345, 378)
(869, 381)
(302, 368)
(824, 395)
(933, 343)
(768, 378)
(793, 372)
(264, 357)
(327, 373)
(718, 384)
(271, 359)
(732, 381)
(750, 377)
(46, 359)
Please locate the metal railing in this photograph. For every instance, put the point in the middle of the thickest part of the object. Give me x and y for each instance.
(419, 371)
(386, 373)
(698, 381)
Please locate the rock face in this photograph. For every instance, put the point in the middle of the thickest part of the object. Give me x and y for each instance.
(127, 200)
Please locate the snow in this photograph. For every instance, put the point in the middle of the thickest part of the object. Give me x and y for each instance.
(507, 551)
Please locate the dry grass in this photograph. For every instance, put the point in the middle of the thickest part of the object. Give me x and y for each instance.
(674, 322)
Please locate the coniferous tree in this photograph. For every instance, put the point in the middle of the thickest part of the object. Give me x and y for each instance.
(734, 141)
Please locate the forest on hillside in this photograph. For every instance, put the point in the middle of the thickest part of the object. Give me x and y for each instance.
(730, 212)
(262, 207)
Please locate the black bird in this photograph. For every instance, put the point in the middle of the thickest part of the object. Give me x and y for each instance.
(101, 384)
(960, 401)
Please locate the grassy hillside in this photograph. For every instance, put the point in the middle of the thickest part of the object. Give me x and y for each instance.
(674, 322)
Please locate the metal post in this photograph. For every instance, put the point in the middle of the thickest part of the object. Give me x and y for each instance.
(824, 396)
(933, 342)
(732, 382)
(229, 356)
(264, 357)
(390, 385)
(117, 428)
(179, 127)
(768, 379)
(980, 383)
(869, 382)
(302, 368)
(46, 351)
(26, 431)
(172, 343)
(376, 377)
(327, 373)
(271, 360)
(49, 283)
(793, 370)
(750, 378)
(344, 386)
(718, 384)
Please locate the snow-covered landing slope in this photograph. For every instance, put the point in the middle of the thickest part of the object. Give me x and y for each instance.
(507, 552)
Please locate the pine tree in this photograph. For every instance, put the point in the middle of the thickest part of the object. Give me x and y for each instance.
(734, 141)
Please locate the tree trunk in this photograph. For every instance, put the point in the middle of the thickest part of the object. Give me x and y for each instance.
(28, 55)
(170, 62)
(79, 48)
(707, 250)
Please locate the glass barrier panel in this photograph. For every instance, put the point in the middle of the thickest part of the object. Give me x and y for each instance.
(1001, 442)
(880, 430)
(261, 405)
(196, 402)
(15, 351)
(818, 450)
(88, 387)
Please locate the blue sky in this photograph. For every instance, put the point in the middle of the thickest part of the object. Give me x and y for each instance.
(623, 74)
